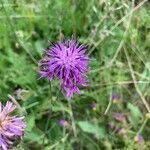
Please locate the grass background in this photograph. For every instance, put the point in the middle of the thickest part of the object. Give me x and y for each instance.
(118, 35)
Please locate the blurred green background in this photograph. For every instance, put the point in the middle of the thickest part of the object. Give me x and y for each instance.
(118, 35)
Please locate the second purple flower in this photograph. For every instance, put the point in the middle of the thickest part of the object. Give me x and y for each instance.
(11, 127)
(68, 62)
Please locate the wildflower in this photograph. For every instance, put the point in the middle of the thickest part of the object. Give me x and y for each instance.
(115, 98)
(122, 131)
(11, 127)
(20, 93)
(66, 61)
(112, 125)
(148, 115)
(139, 139)
(119, 117)
(63, 123)
(93, 106)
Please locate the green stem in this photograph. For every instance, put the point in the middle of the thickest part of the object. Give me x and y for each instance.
(142, 127)
(49, 113)
(108, 107)
(72, 119)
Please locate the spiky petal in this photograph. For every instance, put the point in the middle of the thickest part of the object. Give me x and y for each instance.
(11, 127)
(68, 62)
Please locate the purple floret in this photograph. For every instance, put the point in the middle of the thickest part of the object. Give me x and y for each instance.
(11, 127)
(140, 139)
(67, 62)
(119, 117)
(63, 122)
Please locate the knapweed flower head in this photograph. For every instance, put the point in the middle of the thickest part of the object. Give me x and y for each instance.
(93, 106)
(115, 98)
(122, 131)
(68, 62)
(112, 125)
(11, 127)
(148, 115)
(63, 123)
(139, 139)
(119, 117)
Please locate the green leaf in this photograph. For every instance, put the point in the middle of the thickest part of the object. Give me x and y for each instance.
(135, 114)
(35, 135)
(30, 122)
(92, 128)
(145, 77)
(60, 107)
(38, 47)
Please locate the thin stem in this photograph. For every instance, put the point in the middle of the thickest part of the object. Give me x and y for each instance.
(59, 142)
(17, 104)
(142, 127)
(135, 82)
(72, 119)
(49, 113)
(108, 107)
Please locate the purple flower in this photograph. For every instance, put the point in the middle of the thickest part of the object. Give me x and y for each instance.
(119, 117)
(139, 139)
(93, 106)
(115, 98)
(11, 127)
(63, 123)
(66, 61)
(122, 131)
(112, 125)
